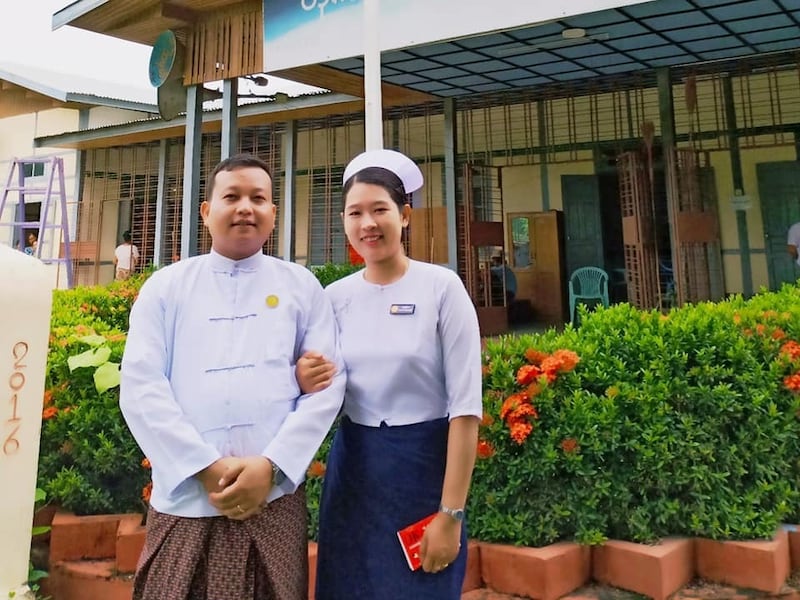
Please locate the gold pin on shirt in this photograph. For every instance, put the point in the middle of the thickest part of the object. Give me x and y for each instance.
(272, 301)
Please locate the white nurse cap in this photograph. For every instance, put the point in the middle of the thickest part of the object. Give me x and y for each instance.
(399, 164)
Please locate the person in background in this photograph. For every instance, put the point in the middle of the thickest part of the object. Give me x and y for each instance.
(209, 392)
(503, 278)
(406, 442)
(793, 243)
(32, 243)
(126, 257)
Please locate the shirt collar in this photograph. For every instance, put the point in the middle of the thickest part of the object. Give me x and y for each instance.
(223, 264)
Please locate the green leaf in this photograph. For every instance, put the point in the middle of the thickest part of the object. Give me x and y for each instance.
(39, 530)
(93, 340)
(106, 376)
(90, 358)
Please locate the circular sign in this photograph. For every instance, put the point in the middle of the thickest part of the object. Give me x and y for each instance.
(163, 58)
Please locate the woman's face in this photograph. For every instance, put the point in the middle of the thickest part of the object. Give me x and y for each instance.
(31, 239)
(373, 222)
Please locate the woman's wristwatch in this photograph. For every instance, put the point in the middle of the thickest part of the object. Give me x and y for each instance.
(455, 513)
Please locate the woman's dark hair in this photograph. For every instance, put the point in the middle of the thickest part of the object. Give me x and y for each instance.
(238, 161)
(382, 177)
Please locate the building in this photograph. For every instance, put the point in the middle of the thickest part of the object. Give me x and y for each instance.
(39, 102)
(656, 139)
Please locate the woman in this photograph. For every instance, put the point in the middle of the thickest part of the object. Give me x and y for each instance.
(406, 443)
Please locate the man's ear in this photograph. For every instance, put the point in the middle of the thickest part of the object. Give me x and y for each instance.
(204, 208)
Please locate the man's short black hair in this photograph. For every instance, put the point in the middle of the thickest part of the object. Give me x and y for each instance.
(237, 161)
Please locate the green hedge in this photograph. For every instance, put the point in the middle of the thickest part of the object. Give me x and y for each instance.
(88, 460)
(677, 424)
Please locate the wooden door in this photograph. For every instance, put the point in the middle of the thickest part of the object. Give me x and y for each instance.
(641, 258)
(583, 227)
(536, 255)
(696, 252)
(779, 190)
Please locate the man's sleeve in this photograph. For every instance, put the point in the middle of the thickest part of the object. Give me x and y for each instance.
(304, 430)
(154, 417)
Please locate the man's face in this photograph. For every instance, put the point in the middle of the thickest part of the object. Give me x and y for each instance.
(240, 215)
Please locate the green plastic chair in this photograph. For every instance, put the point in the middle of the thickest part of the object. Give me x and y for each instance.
(587, 283)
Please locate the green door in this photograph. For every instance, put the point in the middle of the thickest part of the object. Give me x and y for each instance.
(582, 222)
(779, 190)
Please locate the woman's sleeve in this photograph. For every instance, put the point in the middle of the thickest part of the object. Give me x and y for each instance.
(461, 349)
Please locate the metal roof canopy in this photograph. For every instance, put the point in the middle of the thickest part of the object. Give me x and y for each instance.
(26, 94)
(614, 42)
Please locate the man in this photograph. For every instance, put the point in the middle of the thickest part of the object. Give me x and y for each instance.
(126, 257)
(209, 392)
(793, 242)
(503, 278)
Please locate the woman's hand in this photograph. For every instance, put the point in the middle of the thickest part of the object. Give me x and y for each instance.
(314, 372)
(441, 543)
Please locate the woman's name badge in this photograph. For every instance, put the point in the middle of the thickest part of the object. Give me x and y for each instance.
(402, 309)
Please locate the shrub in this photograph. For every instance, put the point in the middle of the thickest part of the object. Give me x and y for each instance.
(330, 272)
(678, 424)
(88, 460)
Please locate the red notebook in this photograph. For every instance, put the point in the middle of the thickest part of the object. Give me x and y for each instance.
(411, 539)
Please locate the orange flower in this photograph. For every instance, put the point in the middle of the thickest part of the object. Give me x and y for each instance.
(146, 463)
(551, 365)
(523, 410)
(792, 382)
(147, 491)
(485, 449)
(487, 420)
(550, 376)
(737, 318)
(486, 370)
(527, 374)
(520, 431)
(791, 349)
(535, 357)
(568, 359)
(49, 412)
(760, 328)
(533, 389)
(317, 469)
(569, 445)
(511, 403)
(48, 398)
(778, 334)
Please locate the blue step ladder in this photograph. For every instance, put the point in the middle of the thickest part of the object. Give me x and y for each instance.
(52, 192)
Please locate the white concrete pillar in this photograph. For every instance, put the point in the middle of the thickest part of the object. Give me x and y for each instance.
(26, 296)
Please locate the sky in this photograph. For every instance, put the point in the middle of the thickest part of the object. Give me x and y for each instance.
(27, 38)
